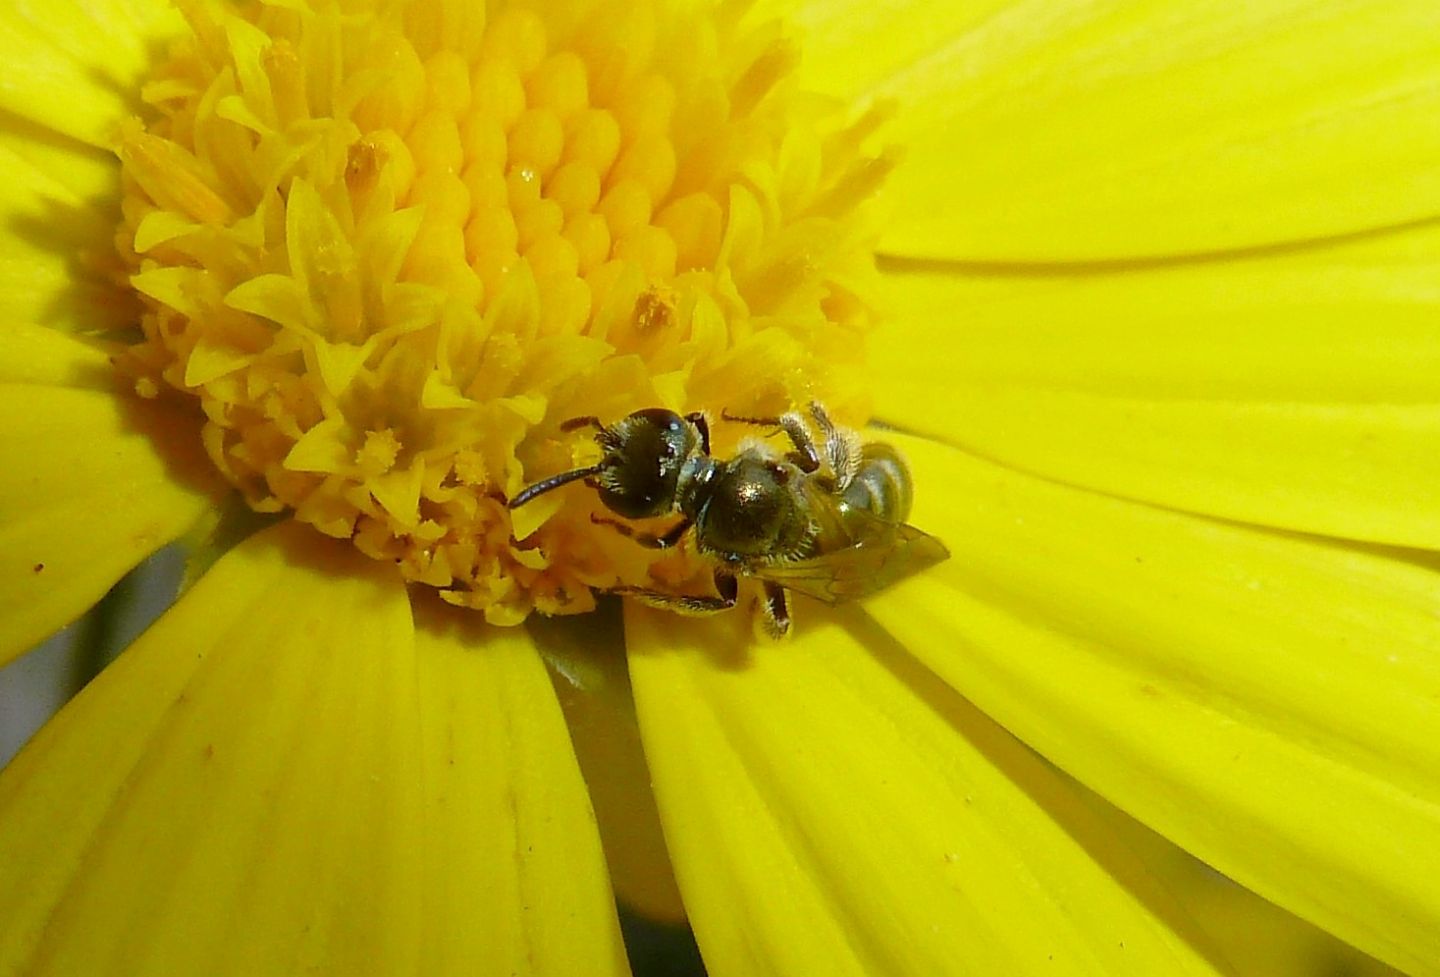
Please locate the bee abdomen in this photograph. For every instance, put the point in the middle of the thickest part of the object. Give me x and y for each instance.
(882, 485)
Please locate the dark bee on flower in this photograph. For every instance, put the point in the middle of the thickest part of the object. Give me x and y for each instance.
(825, 519)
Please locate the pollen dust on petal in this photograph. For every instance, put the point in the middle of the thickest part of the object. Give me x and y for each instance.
(389, 248)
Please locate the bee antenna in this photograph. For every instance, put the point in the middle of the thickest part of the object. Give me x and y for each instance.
(553, 482)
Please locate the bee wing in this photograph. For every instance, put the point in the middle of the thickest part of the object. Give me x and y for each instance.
(874, 562)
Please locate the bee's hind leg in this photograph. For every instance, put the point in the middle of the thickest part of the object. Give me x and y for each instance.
(773, 612)
(726, 586)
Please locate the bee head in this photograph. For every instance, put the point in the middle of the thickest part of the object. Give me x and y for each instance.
(644, 454)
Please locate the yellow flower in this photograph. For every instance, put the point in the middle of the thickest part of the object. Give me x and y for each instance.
(1155, 323)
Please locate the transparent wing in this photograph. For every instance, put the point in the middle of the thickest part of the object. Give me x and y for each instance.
(884, 554)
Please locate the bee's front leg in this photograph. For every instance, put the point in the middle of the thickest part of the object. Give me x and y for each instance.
(576, 423)
(702, 426)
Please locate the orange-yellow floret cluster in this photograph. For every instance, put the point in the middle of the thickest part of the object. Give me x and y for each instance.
(391, 246)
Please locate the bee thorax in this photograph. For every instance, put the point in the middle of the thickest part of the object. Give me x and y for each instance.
(750, 507)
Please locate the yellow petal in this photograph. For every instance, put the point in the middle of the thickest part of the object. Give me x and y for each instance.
(1271, 703)
(91, 483)
(36, 355)
(1346, 322)
(278, 778)
(1296, 390)
(89, 176)
(1263, 939)
(74, 67)
(850, 48)
(516, 879)
(1043, 131)
(833, 809)
(1365, 472)
(59, 244)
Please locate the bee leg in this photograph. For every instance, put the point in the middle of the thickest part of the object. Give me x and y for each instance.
(702, 424)
(576, 423)
(725, 584)
(757, 421)
(805, 456)
(842, 448)
(668, 539)
(774, 612)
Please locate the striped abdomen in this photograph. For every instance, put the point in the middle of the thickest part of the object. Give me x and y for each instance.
(882, 485)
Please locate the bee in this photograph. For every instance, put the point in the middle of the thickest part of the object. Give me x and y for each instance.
(825, 519)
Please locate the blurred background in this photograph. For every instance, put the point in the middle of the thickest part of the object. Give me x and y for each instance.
(1258, 938)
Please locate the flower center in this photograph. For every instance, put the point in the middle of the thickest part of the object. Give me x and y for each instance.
(392, 247)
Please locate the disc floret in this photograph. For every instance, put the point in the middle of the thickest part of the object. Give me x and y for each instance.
(390, 248)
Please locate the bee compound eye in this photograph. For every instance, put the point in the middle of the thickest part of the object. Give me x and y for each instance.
(662, 420)
(643, 463)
